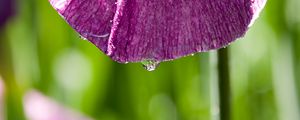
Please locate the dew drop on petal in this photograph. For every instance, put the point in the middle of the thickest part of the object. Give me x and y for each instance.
(150, 65)
(83, 38)
(100, 36)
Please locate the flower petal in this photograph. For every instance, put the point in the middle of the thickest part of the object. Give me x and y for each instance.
(92, 19)
(160, 30)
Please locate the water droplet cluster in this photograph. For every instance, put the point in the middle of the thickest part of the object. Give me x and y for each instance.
(150, 65)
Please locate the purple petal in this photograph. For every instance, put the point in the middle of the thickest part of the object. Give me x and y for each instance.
(159, 30)
(91, 18)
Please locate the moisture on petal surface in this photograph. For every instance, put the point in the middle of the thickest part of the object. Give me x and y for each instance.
(159, 30)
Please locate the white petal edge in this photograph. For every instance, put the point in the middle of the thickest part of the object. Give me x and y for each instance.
(256, 7)
(60, 5)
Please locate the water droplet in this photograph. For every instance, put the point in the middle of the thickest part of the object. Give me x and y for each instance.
(93, 35)
(192, 54)
(150, 65)
(100, 36)
(81, 37)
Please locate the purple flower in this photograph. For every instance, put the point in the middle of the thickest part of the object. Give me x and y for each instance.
(158, 30)
(6, 10)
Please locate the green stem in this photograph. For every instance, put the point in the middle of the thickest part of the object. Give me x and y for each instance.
(13, 97)
(224, 84)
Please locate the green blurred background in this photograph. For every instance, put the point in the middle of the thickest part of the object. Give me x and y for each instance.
(45, 54)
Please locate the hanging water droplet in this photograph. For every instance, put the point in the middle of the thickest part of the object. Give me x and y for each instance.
(150, 65)
(83, 38)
